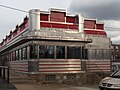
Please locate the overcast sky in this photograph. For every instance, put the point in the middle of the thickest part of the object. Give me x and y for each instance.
(10, 18)
(105, 10)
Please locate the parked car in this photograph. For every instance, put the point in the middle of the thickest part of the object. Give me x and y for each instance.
(112, 82)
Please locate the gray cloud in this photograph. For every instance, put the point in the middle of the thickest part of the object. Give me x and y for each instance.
(113, 34)
(101, 9)
(106, 10)
(112, 28)
(116, 40)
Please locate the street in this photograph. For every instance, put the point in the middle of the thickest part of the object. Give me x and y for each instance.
(34, 86)
(85, 88)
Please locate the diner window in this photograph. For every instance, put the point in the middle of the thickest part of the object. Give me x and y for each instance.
(24, 51)
(73, 52)
(19, 54)
(13, 54)
(94, 54)
(16, 55)
(46, 52)
(9, 57)
(28, 50)
(60, 52)
(33, 51)
(84, 53)
(42, 51)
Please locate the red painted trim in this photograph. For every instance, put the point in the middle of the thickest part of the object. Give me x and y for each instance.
(95, 61)
(70, 19)
(44, 17)
(59, 70)
(89, 24)
(19, 67)
(95, 32)
(57, 64)
(100, 26)
(18, 64)
(18, 61)
(59, 60)
(98, 64)
(19, 70)
(49, 68)
(58, 25)
(99, 71)
(115, 61)
(98, 67)
(57, 16)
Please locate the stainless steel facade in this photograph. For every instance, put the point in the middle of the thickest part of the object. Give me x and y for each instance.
(55, 52)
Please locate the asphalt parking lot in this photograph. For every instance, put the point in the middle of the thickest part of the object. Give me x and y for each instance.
(85, 88)
(34, 86)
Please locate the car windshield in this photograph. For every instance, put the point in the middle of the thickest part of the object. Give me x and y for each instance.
(115, 74)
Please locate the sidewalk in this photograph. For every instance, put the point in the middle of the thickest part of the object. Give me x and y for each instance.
(5, 86)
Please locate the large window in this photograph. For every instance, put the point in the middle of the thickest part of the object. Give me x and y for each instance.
(51, 52)
(46, 52)
(99, 54)
(16, 55)
(33, 51)
(107, 54)
(84, 53)
(20, 54)
(13, 55)
(42, 51)
(73, 52)
(60, 52)
(24, 52)
(27, 52)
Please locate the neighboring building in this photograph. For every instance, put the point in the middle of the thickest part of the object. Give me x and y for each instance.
(57, 45)
(115, 48)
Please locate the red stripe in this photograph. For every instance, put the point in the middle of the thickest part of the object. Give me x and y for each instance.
(58, 61)
(95, 32)
(98, 69)
(57, 64)
(58, 67)
(20, 64)
(18, 61)
(19, 67)
(20, 70)
(116, 61)
(98, 64)
(58, 25)
(58, 70)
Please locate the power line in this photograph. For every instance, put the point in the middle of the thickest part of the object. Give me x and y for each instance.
(112, 27)
(16, 9)
(22, 10)
(13, 8)
(38, 14)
